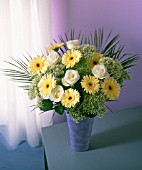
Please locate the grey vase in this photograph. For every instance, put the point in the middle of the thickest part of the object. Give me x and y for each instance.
(80, 133)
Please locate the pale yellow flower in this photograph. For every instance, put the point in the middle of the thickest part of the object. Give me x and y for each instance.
(71, 57)
(70, 78)
(100, 71)
(46, 84)
(38, 65)
(53, 58)
(70, 98)
(111, 88)
(90, 84)
(55, 46)
(72, 44)
(57, 93)
(94, 59)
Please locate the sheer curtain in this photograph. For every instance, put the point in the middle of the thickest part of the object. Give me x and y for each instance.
(25, 26)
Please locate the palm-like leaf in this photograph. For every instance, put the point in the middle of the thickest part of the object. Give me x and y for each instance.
(69, 36)
(19, 72)
(105, 44)
(108, 45)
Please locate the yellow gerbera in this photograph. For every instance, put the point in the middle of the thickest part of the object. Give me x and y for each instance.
(38, 65)
(111, 88)
(71, 57)
(90, 84)
(55, 46)
(70, 98)
(94, 59)
(46, 84)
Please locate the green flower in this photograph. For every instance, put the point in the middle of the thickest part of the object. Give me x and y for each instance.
(58, 70)
(91, 105)
(33, 88)
(86, 51)
(115, 69)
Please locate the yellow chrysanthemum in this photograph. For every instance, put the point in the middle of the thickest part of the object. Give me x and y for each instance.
(94, 60)
(111, 88)
(38, 65)
(70, 98)
(46, 84)
(55, 46)
(90, 84)
(71, 57)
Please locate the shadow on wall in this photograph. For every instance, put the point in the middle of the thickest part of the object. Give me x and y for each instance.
(59, 118)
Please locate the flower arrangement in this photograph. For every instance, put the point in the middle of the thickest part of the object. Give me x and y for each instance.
(80, 74)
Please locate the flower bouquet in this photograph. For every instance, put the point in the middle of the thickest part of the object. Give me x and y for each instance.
(80, 75)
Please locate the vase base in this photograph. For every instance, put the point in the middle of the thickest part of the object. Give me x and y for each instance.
(79, 149)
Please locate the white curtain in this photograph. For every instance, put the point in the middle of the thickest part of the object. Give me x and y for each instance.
(25, 26)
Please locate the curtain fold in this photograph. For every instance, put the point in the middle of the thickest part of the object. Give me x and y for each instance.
(25, 26)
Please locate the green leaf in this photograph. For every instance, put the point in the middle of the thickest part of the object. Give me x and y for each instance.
(107, 44)
(46, 105)
(59, 109)
(20, 72)
(69, 35)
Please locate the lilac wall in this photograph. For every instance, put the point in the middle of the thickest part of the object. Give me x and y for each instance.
(60, 14)
(123, 17)
(120, 16)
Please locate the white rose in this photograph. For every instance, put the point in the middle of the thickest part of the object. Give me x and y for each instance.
(53, 58)
(100, 71)
(71, 77)
(72, 44)
(57, 93)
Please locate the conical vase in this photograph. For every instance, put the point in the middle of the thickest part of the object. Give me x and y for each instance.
(80, 133)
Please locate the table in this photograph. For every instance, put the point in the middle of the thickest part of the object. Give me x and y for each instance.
(116, 144)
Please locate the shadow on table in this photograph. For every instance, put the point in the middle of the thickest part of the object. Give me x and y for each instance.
(116, 136)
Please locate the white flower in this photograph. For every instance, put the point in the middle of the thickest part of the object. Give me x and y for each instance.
(72, 44)
(100, 71)
(71, 77)
(57, 93)
(53, 58)
(64, 82)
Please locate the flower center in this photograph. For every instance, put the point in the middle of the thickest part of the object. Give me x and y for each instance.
(90, 84)
(110, 88)
(95, 62)
(71, 58)
(38, 65)
(56, 96)
(47, 85)
(72, 75)
(70, 98)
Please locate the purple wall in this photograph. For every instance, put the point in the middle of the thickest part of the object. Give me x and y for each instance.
(123, 17)
(60, 13)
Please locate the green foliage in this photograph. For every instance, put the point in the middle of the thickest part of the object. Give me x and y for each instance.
(92, 105)
(67, 37)
(59, 109)
(115, 69)
(33, 91)
(58, 70)
(86, 51)
(114, 59)
(44, 104)
(105, 43)
(18, 71)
